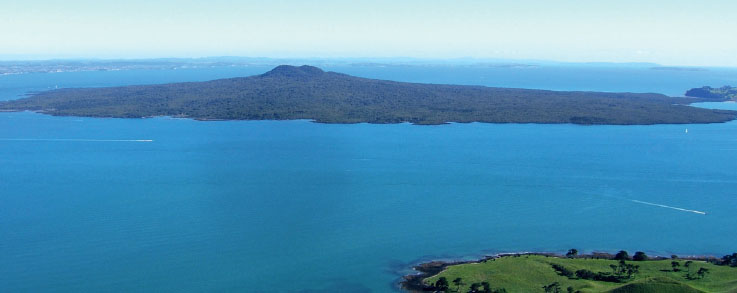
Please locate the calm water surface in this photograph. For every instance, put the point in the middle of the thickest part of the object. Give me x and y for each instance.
(299, 206)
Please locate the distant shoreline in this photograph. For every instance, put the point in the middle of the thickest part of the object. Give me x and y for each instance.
(43, 112)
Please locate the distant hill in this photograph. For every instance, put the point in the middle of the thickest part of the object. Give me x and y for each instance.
(306, 92)
(722, 93)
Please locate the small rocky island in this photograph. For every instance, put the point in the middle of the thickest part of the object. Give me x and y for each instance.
(306, 92)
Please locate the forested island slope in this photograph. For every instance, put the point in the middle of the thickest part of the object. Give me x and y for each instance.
(307, 92)
(725, 93)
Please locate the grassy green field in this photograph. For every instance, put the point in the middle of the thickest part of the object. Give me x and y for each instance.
(529, 273)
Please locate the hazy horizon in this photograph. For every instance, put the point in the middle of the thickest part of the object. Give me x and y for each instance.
(398, 60)
(670, 33)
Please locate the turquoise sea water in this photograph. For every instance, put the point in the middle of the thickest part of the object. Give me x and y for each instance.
(298, 206)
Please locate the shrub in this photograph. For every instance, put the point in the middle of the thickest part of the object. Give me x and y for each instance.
(585, 274)
(563, 271)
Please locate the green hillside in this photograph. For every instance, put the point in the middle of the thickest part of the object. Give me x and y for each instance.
(655, 285)
(530, 273)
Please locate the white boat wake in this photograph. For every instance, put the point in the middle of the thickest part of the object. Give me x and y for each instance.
(658, 205)
(76, 139)
(668, 207)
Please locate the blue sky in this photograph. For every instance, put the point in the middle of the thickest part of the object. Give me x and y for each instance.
(672, 32)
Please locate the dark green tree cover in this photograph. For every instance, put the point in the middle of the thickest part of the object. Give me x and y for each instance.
(624, 269)
(552, 288)
(485, 287)
(675, 265)
(307, 92)
(728, 260)
(572, 252)
(622, 255)
(688, 268)
(458, 282)
(702, 272)
(442, 284)
(585, 274)
(563, 271)
(639, 256)
(620, 273)
(722, 93)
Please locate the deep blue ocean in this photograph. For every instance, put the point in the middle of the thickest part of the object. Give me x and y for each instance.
(89, 205)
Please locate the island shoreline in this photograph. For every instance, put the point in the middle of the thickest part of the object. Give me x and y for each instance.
(43, 112)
